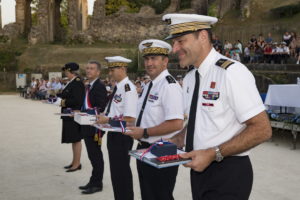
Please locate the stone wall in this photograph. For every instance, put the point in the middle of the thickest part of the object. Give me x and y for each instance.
(129, 28)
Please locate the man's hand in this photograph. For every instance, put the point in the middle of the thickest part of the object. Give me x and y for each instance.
(102, 119)
(178, 139)
(201, 159)
(135, 132)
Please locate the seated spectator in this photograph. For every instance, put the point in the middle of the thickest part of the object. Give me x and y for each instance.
(32, 88)
(41, 93)
(218, 49)
(247, 54)
(259, 53)
(287, 38)
(298, 60)
(268, 53)
(55, 87)
(277, 51)
(227, 54)
(260, 39)
(216, 42)
(252, 54)
(285, 52)
(253, 40)
(36, 89)
(236, 56)
(293, 46)
(227, 46)
(297, 46)
(238, 45)
(269, 39)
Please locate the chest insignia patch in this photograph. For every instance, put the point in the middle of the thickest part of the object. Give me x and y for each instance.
(209, 95)
(117, 98)
(152, 98)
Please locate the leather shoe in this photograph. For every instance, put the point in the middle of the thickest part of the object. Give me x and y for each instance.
(92, 190)
(84, 187)
(68, 166)
(73, 170)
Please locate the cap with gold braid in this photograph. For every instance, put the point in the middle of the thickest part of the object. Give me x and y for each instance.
(154, 47)
(181, 24)
(117, 61)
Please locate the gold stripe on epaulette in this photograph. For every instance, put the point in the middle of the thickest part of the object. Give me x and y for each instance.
(226, 64)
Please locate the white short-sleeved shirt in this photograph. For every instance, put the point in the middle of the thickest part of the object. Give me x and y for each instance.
(164, 102)
(124, 101)
(227, 98)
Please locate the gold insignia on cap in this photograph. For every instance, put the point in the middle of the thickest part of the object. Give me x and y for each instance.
(117, 64)
(188, 26)
(77, 79)
(148, 44)
(155, 50)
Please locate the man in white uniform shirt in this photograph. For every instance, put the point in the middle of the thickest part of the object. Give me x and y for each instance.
(160, 116)
(122, 105)
(226, 114)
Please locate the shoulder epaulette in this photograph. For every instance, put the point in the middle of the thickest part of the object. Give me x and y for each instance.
(224, 63)
(190, 68)
(170, 79)
(127, 87)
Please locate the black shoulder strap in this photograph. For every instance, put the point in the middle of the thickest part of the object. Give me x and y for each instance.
(127, 87)
(170, 79)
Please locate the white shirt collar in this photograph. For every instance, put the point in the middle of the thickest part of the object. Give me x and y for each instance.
(122, 82)
(206, 64)
(160, 76)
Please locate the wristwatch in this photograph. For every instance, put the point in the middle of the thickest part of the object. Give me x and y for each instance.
(219, 156)
(145, 134)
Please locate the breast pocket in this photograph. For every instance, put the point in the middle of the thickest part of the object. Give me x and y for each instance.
(212, 115)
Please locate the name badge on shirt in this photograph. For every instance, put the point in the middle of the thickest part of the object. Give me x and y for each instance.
(152, 97)
(209, 95)
(117, 98)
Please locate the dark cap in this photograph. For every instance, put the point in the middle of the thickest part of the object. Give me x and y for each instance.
(72, 66)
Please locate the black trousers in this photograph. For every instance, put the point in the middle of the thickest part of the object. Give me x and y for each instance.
(230, 179)
(118, 146)
(95, 155)
(156, 184)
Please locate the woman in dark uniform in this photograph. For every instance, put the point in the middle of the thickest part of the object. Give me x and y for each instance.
(72, 98)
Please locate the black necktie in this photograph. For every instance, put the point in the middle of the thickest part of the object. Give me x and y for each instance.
(109, 104)
(192, 116)
(138, 122)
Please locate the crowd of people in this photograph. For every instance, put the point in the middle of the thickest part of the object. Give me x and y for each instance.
(262, 49)
(42, 89)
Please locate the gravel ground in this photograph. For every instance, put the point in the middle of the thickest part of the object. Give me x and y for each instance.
(32, 160)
